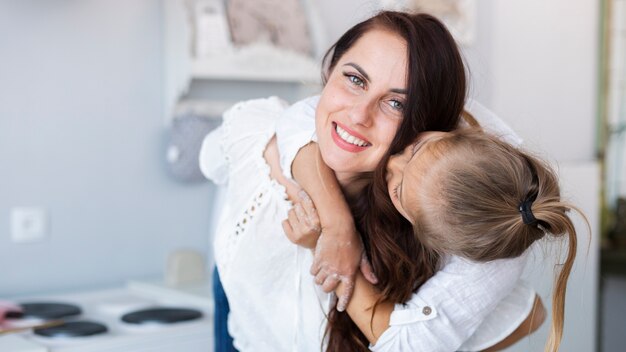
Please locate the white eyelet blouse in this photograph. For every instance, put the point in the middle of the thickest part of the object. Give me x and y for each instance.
(276, 306)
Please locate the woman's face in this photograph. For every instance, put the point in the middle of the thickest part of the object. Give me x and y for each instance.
(362, 104)
(405, 173)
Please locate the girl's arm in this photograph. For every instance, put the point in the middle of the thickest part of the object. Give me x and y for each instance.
(373, 326)
(461, 294)
(339, 251)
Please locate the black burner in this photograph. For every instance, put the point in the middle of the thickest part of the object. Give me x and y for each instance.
(46, 310)
(73, 329)
(161, 316)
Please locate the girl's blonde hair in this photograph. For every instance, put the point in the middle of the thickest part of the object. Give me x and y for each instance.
(471, 204)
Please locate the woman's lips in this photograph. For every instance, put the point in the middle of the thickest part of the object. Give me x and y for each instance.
(349, 147)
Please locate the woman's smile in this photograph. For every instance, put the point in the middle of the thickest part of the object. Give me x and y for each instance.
(348, 140)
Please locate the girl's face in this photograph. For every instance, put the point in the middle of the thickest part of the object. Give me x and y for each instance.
(362, 103)
(406, 172)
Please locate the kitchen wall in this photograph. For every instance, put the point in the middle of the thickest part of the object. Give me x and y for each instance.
(82, 135)
(81, 130)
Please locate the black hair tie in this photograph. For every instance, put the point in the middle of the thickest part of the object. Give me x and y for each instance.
(527, 214)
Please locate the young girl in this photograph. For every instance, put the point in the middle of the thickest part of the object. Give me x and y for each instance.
(471, 195)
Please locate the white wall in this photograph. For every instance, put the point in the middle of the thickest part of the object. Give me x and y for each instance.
(82, 134)
(544, 64)
(613, 313)
(81, 130)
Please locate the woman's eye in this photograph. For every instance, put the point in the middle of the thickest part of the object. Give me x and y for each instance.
(395, 191)
(397, 105)
(355, 80)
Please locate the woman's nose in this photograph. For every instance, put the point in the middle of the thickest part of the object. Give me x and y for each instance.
(360, 113)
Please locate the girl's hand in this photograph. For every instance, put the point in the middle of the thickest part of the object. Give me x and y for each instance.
(338, 256)
(302, 226)
(338, 253)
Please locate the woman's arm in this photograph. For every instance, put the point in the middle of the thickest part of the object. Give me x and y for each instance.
(361, 307)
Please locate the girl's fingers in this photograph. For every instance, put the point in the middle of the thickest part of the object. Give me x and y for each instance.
(343, 300)
(311, 213)
(321, 277)
(292, 189)
(315, 268)
(301, 216)
(309, 209)
(288, 231)
(331, 283)
(293, 219)
(366, 269)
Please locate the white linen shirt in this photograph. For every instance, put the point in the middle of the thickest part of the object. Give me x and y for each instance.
(466, 306)
(274, 303)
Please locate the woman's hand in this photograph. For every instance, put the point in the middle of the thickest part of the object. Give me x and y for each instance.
(302, 226)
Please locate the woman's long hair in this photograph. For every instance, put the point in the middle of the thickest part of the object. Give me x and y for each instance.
(436, 90)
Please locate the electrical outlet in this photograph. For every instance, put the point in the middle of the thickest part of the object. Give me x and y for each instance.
(28, 224)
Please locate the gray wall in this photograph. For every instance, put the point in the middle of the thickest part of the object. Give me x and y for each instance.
(82, 135)
(613, 313)
(81, 130)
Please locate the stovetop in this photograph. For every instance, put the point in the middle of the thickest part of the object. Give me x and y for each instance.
(139, 317)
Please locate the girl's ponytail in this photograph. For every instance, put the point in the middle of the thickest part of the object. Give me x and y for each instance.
(484, 199)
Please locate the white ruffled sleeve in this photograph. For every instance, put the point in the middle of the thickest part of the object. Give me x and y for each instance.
(229, 146)
(451, 305)
(295, 129)
(213, 161)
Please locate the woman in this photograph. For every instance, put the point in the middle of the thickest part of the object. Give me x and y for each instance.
(274, 303)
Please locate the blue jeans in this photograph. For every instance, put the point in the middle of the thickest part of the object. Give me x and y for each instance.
(223, 340)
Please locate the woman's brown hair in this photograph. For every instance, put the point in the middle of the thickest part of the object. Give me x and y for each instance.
(483, 199)
(436, 89)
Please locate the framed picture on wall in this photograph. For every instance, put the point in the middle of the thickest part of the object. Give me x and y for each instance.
(280, 23)
(260, 40)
